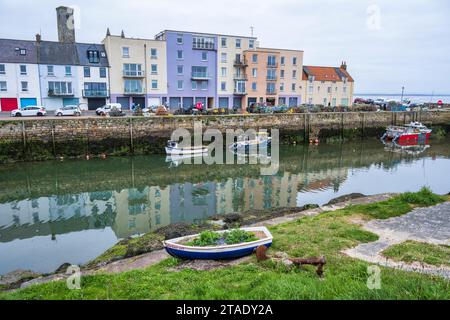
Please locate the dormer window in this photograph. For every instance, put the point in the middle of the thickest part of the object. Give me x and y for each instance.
(311, 78)
(23, 52)
(93, 56)
(103, 54)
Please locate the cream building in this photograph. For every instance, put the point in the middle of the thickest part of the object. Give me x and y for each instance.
(232, 84)
(327, 86)
(140, 70)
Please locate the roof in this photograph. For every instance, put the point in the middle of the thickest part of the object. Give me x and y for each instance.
(203, 33)
(49, 52)
(10, 51)
(83, 48)
(326, 73)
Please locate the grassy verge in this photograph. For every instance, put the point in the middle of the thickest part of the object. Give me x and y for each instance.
(327, 234)
(412, 251)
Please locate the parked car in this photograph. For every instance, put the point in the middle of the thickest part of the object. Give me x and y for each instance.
(382, 103)
(103, 111)
(83, 107)
(70, 110)
(30, 111)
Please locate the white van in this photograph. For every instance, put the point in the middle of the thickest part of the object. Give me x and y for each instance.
(107, 108)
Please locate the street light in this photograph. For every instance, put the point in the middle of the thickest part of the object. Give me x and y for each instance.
(403, 91)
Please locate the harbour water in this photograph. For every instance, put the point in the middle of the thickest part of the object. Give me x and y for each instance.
(416, 98)
(72, 211)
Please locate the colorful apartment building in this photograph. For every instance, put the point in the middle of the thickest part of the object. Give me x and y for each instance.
(327, 86)
(176, 69)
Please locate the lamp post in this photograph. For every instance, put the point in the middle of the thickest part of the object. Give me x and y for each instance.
(403, 91)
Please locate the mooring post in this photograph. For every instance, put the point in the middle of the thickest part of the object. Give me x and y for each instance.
(342, 126)
(53, 138)
(305, 135)
(24, 137)
(131, 136)
(363, 123)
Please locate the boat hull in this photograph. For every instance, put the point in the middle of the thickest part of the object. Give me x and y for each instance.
(223, 252)
(180, 152)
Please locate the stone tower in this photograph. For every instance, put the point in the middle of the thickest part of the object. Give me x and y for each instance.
(66, 24)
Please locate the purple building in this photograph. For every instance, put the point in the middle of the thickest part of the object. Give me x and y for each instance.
(191, 68)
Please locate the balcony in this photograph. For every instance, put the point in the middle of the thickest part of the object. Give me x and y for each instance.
(240, 77)
(272, 65)
(95, 94)
(134, 91)
(271, 78)
(241, 63)
(240, 92)
(203, 46)
(53, 93)
(133, 74)
(200, 76)
(271, 92)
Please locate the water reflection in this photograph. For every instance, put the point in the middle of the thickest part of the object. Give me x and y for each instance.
(54, 212)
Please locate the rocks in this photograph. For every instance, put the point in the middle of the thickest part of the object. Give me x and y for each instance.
(232, 218)
(63, 268)
(14, 279)
(347, 197)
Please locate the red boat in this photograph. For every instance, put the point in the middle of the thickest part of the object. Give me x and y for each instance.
(415, 131)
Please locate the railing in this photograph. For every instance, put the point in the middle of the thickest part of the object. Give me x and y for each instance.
(271, 92)
(271, 78)
(134, 73)
(240, 63)
(201, 76)
(272, 65)
(53, 93)
(240, 92)
(134, 91)
(240, 77)
(95, 93)
(203, 46)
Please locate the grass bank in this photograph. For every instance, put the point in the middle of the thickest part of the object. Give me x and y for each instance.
(327, 234)
(412, 251)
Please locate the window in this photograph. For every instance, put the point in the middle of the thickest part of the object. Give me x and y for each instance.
(224, 72)
(59, 88)
(68, 70)
(223, 57)
(50, 71)
(254, 58)
(310, 89)
(294, 74)
(153, 53)
(344, 89)
(294, 61)
(199, 72)
(194, 85)
(254, 86)
(224, 42)
(23, 52)
(282, 61)
(207, 43)
(180, 54)
(179, 39)
(240, 87)
(103, 54)
(180, 70)
(154, 69)
(2, 69)
(87, 72)
(180, 84)
(271, 74)
(125, 52)
(270, 88)
(329, 90)
(154, 84)
(3, 86)
(95, 89)
(132, 70)
(254, 72)
(23, 70)
(93, 56)
(281, 86)
(251, 44)
(204, 85)
(133, 86)
(318, 89)
(24, 86)
(223, 86)
(102, 72)
(293, 87)
(271, 61)
(282, 73)
(238, 43)
(204, 56)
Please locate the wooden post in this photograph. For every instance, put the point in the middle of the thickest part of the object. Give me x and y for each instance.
(24, 138)
(53, 139)
(363, 124)
(131, 136)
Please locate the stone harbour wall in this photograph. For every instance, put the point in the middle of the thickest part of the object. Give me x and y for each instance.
(42, 139)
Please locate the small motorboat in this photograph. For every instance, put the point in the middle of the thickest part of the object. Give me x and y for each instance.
(262, 140)
(178, 247)
(173, 148)
(414, 131)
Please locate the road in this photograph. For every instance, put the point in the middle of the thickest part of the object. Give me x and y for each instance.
(50, 115)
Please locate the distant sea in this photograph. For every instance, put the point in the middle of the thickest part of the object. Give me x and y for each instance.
(416, 97)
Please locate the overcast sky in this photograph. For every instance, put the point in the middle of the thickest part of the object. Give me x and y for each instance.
(387, 44)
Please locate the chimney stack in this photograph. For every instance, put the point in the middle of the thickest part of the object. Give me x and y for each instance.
(108, 33)
(344, 65)
(66, 24)
(123, 35)
(38, 37)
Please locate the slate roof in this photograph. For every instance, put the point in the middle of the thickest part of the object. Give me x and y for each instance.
(326, 73)
(50, 52)
(9, 54)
